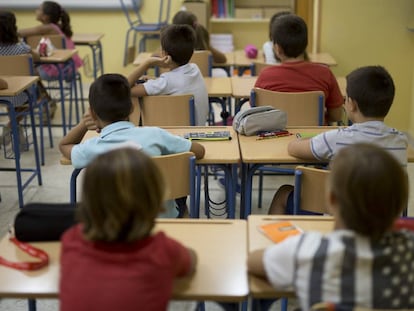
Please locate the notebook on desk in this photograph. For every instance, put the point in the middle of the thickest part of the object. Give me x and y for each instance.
(278, 231)
(216, 135)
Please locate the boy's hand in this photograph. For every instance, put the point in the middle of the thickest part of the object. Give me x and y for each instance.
(164, 61)
(90, 123)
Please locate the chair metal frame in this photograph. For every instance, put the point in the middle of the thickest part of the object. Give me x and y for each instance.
(137, 25)
(22, 65)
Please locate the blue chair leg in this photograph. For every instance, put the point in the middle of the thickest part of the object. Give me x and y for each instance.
(31, 303)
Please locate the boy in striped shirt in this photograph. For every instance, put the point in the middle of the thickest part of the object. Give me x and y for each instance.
(363, 262)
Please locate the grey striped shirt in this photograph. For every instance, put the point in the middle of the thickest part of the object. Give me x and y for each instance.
(325, 145)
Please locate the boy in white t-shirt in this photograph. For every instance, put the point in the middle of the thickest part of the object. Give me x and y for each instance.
(177, 44)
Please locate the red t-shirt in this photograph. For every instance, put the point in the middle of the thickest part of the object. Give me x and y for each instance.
(302, 76)
(119, 276)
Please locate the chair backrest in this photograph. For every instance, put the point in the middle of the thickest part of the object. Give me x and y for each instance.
(257, 67)
(309, 194)
(204, 61)
(167, 110)
(175, 169)
(58, 41)
(178, 171)
(131, 9)
(17, 65)
(302, 108)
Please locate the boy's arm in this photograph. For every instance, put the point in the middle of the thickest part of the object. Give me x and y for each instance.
(138, 90)
(71, 139)
(255, 264)
(301, 148)
(198, 150)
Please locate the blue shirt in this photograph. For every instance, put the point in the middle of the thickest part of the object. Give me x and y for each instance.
(153, 140)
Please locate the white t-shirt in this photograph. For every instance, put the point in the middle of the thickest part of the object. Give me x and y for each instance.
(269, 54)
(186, 79)
(345, 268)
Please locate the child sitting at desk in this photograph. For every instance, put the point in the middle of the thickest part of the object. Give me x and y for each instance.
(295, 74)
(113, 260)
(55, 20)
(370, 93)
(110, 106)
(177, 43)
(363, 262)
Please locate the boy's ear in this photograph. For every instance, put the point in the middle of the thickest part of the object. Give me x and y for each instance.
(353, 105)
(277, 49)
(93, 114)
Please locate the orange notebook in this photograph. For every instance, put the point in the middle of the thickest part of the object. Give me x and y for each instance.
(278, 231)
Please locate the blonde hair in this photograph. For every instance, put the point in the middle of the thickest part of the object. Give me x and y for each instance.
(122, 194)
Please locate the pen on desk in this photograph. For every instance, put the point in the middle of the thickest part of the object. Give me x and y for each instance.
(273, 136)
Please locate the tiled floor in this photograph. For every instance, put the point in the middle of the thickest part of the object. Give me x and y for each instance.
(55, 188)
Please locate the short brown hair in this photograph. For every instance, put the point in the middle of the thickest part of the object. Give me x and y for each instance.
(370, 186)
(122, 194)
(179, 42)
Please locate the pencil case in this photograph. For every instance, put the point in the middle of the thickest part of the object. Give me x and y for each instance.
(259, 119)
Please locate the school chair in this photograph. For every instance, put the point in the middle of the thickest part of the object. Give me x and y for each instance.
(178, 171)
(131, 9)
(165, 110)
(309, 194)
(71, 85)
(302, 108)
(22, 65)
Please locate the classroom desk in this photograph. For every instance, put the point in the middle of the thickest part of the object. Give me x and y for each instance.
(60, 57)
(93, 40)
(221, 247)
(17, 85)
(260, 288)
